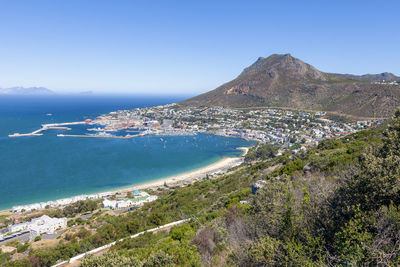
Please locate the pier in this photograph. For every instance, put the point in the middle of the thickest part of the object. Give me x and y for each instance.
(101, 136)
(27, 134)
(102, 133)
(51, 126)
(59, 128)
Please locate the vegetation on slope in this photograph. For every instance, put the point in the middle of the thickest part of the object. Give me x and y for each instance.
(337, 204)
(287, 82)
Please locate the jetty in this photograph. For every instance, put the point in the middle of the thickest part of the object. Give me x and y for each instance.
(27, 134)
(102, 135)
(50, 126)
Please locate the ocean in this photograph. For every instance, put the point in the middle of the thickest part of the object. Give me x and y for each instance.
(42, 168)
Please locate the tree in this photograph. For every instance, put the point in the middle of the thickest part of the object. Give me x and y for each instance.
(159, 259)
(261, 152)
(110, 259)
(379, 181)
(351, 242)
(178, 232)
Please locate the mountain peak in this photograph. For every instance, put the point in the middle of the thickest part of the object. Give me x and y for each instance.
(288, 55)
(284, 66)
(281, 80)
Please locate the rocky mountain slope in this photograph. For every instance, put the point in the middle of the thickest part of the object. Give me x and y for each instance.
(285, 81)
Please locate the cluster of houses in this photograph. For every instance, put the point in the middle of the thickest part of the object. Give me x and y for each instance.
(59, 202)
(256, 135)
(38, 226)
(280, 127)
(139, 198)
(47, 225)
(387, 82)
(131, 119)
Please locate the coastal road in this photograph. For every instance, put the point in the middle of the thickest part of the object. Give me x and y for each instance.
(74, 261)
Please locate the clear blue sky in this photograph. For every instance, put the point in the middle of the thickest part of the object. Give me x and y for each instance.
(186, 46)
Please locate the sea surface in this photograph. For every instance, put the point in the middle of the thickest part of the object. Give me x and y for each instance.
(42, 168)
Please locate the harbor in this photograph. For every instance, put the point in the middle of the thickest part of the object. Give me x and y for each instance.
(102, 135)
(105, 132)
(51, 126)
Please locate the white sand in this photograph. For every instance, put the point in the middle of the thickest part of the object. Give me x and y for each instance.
(184, 178)
(191, 176)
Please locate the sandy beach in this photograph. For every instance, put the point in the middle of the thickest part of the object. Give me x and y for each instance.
(191, 176)
(181, 179)
(187, 177)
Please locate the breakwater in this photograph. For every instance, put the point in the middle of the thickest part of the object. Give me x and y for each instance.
(50, 126)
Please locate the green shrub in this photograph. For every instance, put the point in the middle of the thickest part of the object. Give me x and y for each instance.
(22, 247)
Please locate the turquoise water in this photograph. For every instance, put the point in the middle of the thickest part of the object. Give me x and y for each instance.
(34, 169)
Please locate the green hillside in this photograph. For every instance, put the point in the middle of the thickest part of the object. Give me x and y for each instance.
(337, 204)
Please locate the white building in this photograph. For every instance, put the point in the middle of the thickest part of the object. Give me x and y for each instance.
(47, 225)
(59, 202)
(112, 204)
(124, 204)
(18, 227)
(41, 225)
(139, 199)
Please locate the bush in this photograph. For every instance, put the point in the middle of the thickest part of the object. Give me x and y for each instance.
(82, 233)
(179, 232)
(260, 152)
(22, 247)
(4, 257)
(19, 263)
(330, 143)
(110, 259)
(291, 167)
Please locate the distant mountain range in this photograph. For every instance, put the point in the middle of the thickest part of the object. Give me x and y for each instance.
(25, 91)
(287, 82)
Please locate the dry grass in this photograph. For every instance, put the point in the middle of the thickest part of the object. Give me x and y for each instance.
(6, 249)
(45, 244)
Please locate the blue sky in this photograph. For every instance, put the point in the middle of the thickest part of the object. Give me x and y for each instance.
(186, 47)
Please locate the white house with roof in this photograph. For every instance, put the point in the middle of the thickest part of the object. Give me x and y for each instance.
(41, 225)
(112, 204)
(18, 227)
(47, 225)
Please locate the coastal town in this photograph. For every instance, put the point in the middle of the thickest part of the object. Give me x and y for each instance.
(283, 128)
(20, 229)
(287, 130)
(199, 133)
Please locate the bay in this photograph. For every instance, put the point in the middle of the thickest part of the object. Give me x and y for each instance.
(42, 168)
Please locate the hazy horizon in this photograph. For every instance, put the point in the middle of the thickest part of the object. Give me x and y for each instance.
(186, 47)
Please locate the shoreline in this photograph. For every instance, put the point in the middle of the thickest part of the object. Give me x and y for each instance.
(186, 177)
(223, 164)
(181, 179)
